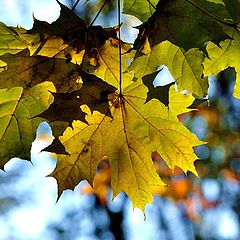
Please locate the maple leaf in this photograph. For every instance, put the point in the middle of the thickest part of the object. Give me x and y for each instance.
(49, 53)
(140, 9)
(26, 71)
(233, 8)
(185, 66)
(73, 31)
(68, 22)
(137, 129)
(187, 24)
(106, 62)
(224, 56)
(18, 125)
(14, 40)
(216, 1)
(160, 92)
(100, 100)
(181, 101)
(66, 107)
(54, 47)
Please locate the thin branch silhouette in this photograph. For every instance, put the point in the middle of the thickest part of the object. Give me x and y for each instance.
(75, 5)
(100, 10)
(120, 47)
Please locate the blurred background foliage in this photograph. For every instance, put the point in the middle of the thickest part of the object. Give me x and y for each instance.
(190, 208)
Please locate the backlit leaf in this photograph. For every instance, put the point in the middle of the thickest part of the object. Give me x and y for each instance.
(66, 107)
(136, 130)
(224, 56)
(160, 92)
(185, 67)
(27, 71)
(184, 24)
(72, 30)
(18, 125)
(140, 9)
(101, 105)
(106, 63)
(14, 40)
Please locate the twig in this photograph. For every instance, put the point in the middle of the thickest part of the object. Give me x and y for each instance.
(120, 48)
(75, 5)
(151, 4)
(98, 13)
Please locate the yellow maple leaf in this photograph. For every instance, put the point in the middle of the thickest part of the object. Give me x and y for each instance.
(128, 139)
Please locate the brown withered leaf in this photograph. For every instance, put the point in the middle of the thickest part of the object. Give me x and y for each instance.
(94, 93)
(23, 70)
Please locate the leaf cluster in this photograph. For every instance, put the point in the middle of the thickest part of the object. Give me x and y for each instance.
(97, 91)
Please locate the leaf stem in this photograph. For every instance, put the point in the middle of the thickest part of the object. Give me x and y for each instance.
(120, 48)
(210, 15)
(95, 18)
(75, 5)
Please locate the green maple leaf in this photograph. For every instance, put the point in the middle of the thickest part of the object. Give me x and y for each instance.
(140, 9)
(185, 66)
(187, 24)
(136, 130)
(216, 1)
(18, 125)
(233, 8)
(14, 40)
(224, 56)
